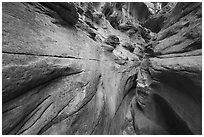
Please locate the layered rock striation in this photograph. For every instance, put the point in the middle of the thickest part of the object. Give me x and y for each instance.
(100, 68)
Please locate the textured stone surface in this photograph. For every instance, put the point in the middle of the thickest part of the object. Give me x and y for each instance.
(66, 11)
(61, 76)
(173, 97)
(56, 79)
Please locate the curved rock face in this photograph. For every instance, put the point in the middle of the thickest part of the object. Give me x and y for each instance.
(174, 98)
(87, 68)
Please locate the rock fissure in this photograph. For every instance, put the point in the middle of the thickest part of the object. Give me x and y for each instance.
(20, 132)
(54, 120)
(54, 56)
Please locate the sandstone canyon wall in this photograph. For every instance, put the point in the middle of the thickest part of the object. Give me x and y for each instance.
(101, 68)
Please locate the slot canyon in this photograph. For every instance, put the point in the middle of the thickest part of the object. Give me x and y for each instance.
(101, 68)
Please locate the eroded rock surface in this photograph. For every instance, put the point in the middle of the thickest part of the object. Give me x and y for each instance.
(91, 68)
(173, 98)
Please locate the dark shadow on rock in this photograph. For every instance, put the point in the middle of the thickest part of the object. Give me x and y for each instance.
(182, 83)
(174, 124)
(65, 10)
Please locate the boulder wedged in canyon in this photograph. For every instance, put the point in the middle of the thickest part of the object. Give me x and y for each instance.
(91, 68)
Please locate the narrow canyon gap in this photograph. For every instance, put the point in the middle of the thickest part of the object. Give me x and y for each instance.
(101, 68)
